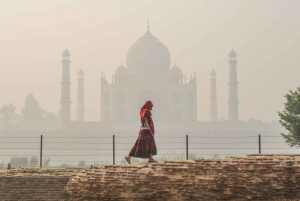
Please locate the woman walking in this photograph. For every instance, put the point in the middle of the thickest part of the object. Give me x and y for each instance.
(144, 146)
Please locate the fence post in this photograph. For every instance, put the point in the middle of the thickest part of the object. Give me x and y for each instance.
(114, 150)
(187, 147)
(41, 152)
(259, 144)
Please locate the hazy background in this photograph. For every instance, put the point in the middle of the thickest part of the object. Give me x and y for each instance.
(198, 34)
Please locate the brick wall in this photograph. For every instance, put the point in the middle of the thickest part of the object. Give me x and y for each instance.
(34, 184)
(252, 177)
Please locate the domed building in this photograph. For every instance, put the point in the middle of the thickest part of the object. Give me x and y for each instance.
(148, 76)
(121, 74)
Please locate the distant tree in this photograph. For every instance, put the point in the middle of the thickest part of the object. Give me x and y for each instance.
(251, 120)
(19, 161)
(33, 161)
(43, 113)
(216, 156)
(81, 164)
(64, 165)
(221, 118)
(46, 162)
(50, 117)
(17, 118)
(8, 113)
(290, 118)
(32, 110)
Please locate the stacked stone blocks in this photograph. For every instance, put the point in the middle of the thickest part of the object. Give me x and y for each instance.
(251, 177)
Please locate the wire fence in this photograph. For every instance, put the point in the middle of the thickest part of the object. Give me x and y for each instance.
(84, 151)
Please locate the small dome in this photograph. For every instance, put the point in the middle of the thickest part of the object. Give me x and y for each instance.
(121, 71)
(192, 81)
(176, 71)
(232, 53)
(213, 72)
(66, 52)
(80, 72)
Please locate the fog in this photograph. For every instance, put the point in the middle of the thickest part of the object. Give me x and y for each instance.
(198, 34)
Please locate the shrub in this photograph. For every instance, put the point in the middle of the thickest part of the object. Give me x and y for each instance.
(19, 162)
(81, 164)
(46, 162)
(33, 161)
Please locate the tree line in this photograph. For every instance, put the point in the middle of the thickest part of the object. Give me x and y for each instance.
(31, 112)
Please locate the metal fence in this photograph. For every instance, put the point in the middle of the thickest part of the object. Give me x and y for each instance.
(83, 151)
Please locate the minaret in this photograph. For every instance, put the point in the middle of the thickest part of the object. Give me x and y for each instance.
(80, 97)
(233, 112)
(65, 103)
(213, 97)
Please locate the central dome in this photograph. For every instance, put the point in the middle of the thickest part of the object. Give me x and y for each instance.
(148, 53)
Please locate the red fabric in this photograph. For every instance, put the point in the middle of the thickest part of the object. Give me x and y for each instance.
(148, 115)
(147, 105)
(145, 112)
(144, 145)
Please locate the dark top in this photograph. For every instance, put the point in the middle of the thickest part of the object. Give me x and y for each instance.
(148, 115)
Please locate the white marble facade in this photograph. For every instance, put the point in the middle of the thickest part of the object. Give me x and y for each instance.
(148, 76)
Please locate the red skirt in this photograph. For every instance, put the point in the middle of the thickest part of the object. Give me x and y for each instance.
(144, 145)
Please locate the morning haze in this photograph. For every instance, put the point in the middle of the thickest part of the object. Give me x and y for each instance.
(198, 34)
(75, 75)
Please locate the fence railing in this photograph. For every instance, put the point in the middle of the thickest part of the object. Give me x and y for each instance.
(87, 150)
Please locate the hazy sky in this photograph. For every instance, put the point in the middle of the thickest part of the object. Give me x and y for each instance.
(198, 34)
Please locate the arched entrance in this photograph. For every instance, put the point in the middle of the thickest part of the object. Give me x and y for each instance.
(154, 97)
(106, 115)
(120, 115)
(177, 115)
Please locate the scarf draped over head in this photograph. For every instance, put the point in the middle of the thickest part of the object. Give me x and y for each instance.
(147, 105)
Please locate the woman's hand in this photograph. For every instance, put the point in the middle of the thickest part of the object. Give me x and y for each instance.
(148, 126)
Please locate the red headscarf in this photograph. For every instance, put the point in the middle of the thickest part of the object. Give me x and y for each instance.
(147, 105)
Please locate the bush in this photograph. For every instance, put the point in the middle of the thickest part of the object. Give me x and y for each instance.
(81, 164)
(64, 165)
(46, 162)
(18, 162)
(2, 165)
(216, 156)
(33, 161)
(290, 118)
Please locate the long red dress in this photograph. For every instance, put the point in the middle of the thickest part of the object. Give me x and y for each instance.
(145, 143)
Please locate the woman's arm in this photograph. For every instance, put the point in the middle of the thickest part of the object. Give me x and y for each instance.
(147, 125)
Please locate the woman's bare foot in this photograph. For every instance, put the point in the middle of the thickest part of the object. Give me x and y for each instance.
(128, 159)
(151, 160)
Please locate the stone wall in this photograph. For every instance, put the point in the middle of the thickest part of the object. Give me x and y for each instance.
(34, 184)
(252, 177)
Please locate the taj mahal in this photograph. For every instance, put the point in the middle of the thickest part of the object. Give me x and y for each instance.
(148, 75)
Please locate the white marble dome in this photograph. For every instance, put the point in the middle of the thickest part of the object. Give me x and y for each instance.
(213, 73)
(121, 71)
(232, 53)
(148, 53)
(66, 52)
(80, 72)
(176, 71)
